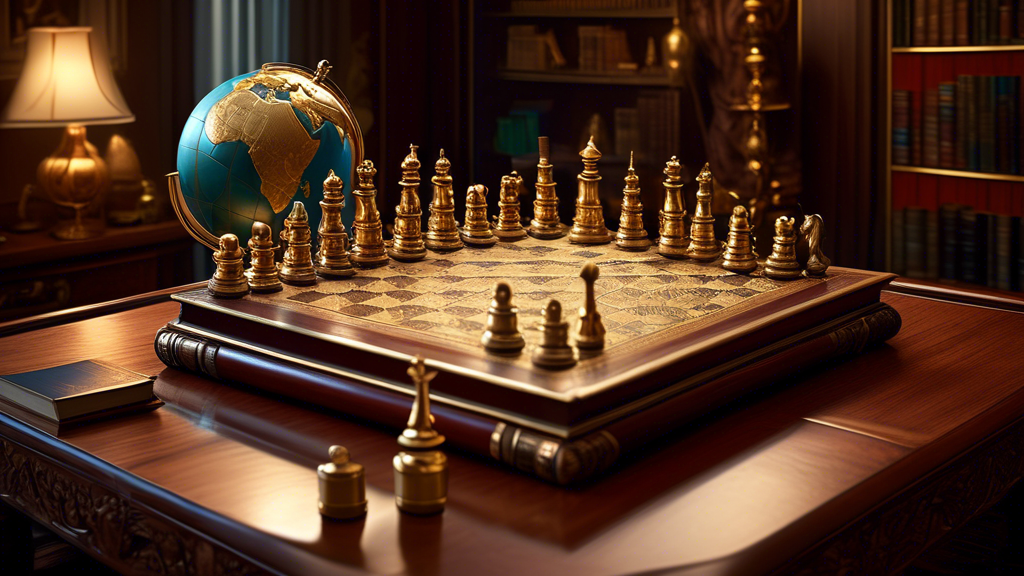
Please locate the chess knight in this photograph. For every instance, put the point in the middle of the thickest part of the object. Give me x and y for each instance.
(588, 224)
(407, 245)
(442, 229)
(368, 250)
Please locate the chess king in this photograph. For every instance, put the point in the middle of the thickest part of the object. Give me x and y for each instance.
(588, 224)
(673, 239)
(368, 250)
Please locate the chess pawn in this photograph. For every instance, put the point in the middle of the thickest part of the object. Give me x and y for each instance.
(368, 249)
(554, 351)
(228, 279)
(782, 264)
(297, 265)
(588, 224)
(590, 329)
(421, 473)
(739, 252)
(817, 262)
(546, 224)
(477, 230)
(703, 245)
(510, 226)
(342, 486)
(407, 244)
(631, 234)
(263, 274)
(442, 229)
(673, 239)
(502, 333)
(332, 254)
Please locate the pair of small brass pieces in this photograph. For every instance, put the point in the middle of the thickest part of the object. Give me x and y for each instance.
(421, 470)
(782, 263)
(502, 335)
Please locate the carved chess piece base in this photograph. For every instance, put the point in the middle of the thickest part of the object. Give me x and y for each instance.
(369, 261)
(594, 237)
(264, 283)
(336, 270)
(542, 232)
(477, 241)
(742, 266)
(443, 244)
(671, 249)
(510, 235)
(633, 244)
(405, 254)
(782, 271)
(228, 289)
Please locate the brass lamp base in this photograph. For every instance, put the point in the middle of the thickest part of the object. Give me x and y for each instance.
(73, 176)
(75, 229)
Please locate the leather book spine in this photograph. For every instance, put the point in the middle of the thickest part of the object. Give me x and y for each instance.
(962, 22)
(920, 35)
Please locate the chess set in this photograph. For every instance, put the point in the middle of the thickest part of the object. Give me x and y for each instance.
(666, 329)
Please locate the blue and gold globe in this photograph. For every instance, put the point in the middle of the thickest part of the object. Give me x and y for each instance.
(258, 142)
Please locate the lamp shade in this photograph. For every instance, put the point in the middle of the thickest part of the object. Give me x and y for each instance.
(66, 80)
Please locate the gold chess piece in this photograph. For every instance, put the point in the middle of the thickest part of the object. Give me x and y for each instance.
(546, 224)
(673, 239)
(739, 252)
(510, 225)
(554, 351)
(407, 244)
(502, 334)
(297, 266)
(631, 234)
(368, 250)
(477, 230)
(817, 262)
(228, 279)
(703, 245)
(442, 229)
(588, 224)
(782, 264)
(332, 259)
(263, 274)
(421, 474)
(342, 486)
(590, 329)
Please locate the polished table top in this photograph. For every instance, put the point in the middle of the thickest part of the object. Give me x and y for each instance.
(749, 488)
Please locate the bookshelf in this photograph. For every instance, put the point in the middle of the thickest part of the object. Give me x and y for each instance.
(953, 159)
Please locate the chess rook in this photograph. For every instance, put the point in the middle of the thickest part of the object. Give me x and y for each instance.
(263, 273)
(554, 351)
(739, 251)
(502, 332)
(442, 230)
(510, 226)
(546, 224)
(703, 245)
(590, 329)
(332, 259)
(631, 234)
(228, 279)
(421, 473)
(368, 249)
(477, 230)
(407, 244)
(782, 264)
(672, 237)
(817, 262)
(588, 224)
(297, 266)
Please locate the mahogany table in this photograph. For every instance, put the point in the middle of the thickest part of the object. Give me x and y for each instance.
(856, 467)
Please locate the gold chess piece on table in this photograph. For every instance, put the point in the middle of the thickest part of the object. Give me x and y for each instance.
(510, 226)
(588, 224)
(228, 279)
(817, 262)
(263, 274)
(368, 250)
(297, 266)
(546, 224)
(703, 245)
(782, 264)
(477, 230)
(673, 239)
(502, 334)
(739, 252)
(407, 245)
(421, 474)
(631, 234)
(554, 351)
(332, 259)
(590, 329)
(442, 229)
(342, 486)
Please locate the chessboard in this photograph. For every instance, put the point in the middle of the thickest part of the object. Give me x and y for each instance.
(665, 319)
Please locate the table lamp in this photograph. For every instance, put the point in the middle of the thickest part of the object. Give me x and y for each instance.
(67, 81)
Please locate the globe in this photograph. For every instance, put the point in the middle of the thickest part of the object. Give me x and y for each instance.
(259, 142)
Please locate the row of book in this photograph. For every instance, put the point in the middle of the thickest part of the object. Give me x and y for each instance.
(959, 243)
(651, 130)
(957, 22)
(529, 49)
(971, 124)
(604, 49)
(540, 6)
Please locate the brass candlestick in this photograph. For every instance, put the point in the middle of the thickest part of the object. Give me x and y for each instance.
(588, 224)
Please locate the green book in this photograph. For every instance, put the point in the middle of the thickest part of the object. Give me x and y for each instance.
(72, 391)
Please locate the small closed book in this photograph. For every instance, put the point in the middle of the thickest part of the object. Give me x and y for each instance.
(74, 391)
